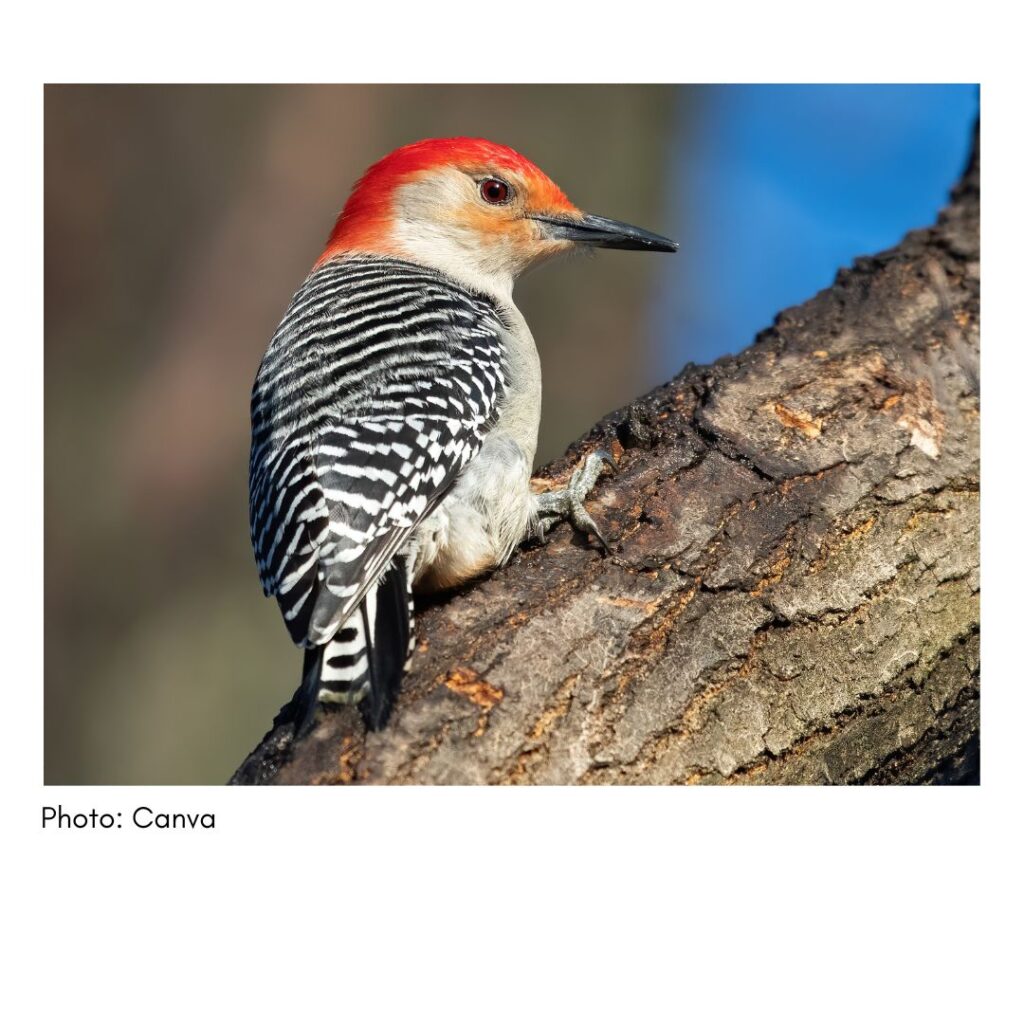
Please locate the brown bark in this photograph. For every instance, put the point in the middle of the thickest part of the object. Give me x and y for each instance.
(793, 593)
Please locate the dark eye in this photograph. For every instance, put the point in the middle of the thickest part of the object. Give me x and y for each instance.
(494, 191)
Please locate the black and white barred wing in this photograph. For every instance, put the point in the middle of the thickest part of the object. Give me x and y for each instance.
(375, 393)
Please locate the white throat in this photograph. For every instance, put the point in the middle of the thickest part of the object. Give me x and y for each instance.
(455, 251)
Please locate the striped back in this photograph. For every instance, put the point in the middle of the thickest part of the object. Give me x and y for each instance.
(375, 392)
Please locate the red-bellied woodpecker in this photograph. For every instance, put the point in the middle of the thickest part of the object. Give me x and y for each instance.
(395, 413)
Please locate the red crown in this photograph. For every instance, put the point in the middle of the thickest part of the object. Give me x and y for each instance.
(364, 224)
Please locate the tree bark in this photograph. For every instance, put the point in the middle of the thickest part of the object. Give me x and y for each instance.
(793, 590)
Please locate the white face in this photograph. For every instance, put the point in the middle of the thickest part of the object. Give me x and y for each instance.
(443, 220)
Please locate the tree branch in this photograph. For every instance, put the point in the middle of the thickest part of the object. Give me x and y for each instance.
(793, 590)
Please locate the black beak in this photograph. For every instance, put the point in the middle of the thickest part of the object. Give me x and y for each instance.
(608, 234)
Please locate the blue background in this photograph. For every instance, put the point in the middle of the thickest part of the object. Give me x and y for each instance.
(779, 186)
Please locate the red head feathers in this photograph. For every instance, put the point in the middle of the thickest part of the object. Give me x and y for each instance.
(364, 224)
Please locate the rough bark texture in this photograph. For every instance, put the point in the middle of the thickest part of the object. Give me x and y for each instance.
(793, 594)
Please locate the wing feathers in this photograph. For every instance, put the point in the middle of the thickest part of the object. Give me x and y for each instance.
(374, 394)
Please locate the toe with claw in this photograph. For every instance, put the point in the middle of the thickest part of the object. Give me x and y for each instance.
(567, 503)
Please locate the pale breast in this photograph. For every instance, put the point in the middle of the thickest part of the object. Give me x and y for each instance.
(489, 510)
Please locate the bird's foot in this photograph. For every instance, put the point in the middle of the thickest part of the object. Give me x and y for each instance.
(567, 503)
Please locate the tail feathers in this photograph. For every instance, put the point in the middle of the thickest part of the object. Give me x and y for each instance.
(365, 660)
(391, 644)
(305, 700)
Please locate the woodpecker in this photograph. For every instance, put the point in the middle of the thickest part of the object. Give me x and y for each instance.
(395, 412)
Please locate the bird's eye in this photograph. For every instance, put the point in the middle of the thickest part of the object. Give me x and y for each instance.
(494, 191)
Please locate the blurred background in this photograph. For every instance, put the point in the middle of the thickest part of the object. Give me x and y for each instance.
(180, 220)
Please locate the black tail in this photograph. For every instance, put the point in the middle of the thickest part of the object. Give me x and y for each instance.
(306, 699)
(388, 650)
(365, 660)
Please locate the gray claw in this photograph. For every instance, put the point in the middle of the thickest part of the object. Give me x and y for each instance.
(567, 503)
(608, 458)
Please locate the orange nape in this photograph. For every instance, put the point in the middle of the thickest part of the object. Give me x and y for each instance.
(366, 222)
